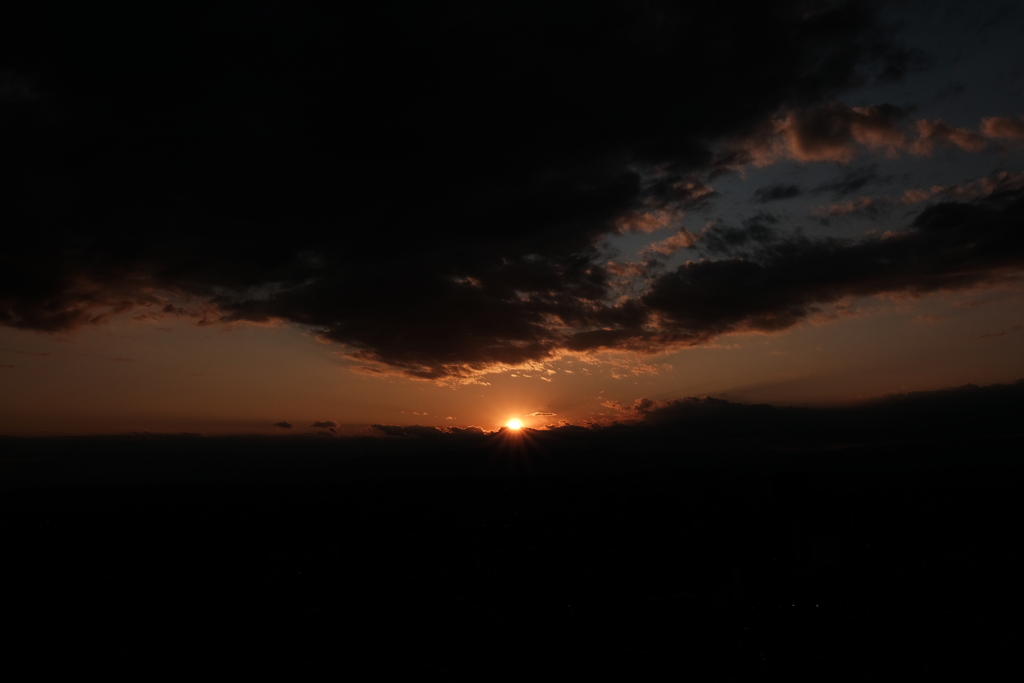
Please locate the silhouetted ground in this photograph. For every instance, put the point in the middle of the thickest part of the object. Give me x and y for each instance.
(895, 562)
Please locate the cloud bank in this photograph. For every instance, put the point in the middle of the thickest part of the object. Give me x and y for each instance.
(430, 190)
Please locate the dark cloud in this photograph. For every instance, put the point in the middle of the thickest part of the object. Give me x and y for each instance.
(283, 424)
(851, 181)
(773, 193)
(422, 432)
(427, 187)
(390, 430)
(967, 410)
(328, 425)
(722, 239)
(948, 246)
(893, 61)
(465, 431)
(831, 131)
(932, 134)
(835, 131)
(999, 182)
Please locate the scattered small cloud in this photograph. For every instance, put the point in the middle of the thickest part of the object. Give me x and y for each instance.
(26, 353)
(874, 207)
(938, 133)
(329, 425)
(649, 221)
(992, 335)
(627, 269)
(773, 193)
(683, 239)
(541, 413)
(851, 181)
(1003, 127)
(867, 206)
(283, 424)
(837, 132)
(829, 132)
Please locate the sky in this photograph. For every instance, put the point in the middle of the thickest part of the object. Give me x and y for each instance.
(231, 218)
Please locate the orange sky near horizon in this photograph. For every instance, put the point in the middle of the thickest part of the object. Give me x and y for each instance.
(126, 376)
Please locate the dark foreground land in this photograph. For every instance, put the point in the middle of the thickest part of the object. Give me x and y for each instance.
(196, 556)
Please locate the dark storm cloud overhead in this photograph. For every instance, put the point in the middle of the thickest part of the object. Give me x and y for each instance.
(426, 185)
(948, 246)
(774, 193)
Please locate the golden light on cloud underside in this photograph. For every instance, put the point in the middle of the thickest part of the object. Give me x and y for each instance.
(514, 424)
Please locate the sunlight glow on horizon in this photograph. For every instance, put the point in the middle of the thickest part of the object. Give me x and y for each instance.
(514, 424)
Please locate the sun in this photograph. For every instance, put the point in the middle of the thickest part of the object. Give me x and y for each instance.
(514, 424)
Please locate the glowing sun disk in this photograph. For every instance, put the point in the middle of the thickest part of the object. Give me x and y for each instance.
(514, 424)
